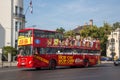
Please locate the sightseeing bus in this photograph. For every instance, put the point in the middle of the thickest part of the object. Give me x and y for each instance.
(44, 48)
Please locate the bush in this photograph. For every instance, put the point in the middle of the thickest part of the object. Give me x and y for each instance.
(9, 49)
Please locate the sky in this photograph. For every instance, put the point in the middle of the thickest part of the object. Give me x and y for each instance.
(53, 14)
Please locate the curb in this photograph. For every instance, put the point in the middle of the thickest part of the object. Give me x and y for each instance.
(106, 61)
(8, 64)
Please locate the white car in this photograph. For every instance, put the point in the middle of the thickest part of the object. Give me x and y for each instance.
(117, 62)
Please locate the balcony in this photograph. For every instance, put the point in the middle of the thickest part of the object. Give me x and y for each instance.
(112, 48)
(19, 16)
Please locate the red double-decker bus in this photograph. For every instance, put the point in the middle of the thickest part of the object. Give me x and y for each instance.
(44, 48)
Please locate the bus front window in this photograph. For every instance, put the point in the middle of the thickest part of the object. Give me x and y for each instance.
(26, 33)
(25, 50)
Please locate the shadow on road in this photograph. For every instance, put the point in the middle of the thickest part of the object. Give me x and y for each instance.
(73, 67)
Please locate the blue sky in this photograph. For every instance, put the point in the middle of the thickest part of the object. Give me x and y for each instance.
(52, 14)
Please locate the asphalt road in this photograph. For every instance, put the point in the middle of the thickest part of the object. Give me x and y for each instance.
(101, 72)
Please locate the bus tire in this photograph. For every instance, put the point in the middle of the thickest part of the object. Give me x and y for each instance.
(52, 65)
(86, 63)
(38, 68)
(115, 64)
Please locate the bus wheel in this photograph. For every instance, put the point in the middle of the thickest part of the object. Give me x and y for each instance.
(86, 63)
(115, 64)
(38, 68)
(52, 65)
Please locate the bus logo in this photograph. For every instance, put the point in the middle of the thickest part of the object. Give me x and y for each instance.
(37, 41)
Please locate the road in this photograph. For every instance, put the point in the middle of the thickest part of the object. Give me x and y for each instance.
(102, 72)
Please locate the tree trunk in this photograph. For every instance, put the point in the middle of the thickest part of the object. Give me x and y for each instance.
(9, 57)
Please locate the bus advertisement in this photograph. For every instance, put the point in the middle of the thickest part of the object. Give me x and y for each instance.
(44, 48)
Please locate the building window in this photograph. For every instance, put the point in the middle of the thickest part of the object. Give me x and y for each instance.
(16, 43)
(16, 26)
(16, 10)
(20, 26)
(112, 40)
(21, 11)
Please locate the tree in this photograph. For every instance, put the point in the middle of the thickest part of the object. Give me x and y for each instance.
(107, 28)
(84, 32)
(116, 25)
(62, 30)
(9, 49)
(104, 31)
(90, 31)
(69, 33)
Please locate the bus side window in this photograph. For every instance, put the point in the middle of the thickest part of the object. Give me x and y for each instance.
(20, 52)
(48, 50)
(29, 33)
(80, 51)
(36, 51)
(42, 51)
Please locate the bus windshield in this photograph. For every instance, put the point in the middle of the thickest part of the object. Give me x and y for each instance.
(26, 33)
(25, 50)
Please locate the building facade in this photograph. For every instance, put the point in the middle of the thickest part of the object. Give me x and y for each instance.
(113, 45)
(12, 20)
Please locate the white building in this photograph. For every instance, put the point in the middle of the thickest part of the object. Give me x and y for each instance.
(113, 45)
(12, 20)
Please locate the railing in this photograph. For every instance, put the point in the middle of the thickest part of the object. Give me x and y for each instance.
(19, 16)
(112, 48)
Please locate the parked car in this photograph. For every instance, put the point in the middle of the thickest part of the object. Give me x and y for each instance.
(117, 62)
(104, 58)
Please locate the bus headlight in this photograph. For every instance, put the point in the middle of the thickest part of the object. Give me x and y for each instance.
(30, 62)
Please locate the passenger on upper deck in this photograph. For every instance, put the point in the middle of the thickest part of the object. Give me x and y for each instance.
(85, 42)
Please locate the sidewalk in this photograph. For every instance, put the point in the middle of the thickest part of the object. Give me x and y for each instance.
(8, 64)
(106, 62)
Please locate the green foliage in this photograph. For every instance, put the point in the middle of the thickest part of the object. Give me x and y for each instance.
(116, 25)
(90, 31)
(69, 33)
(62, 30)
(104, 32)
(9, 49)
(107, 28)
